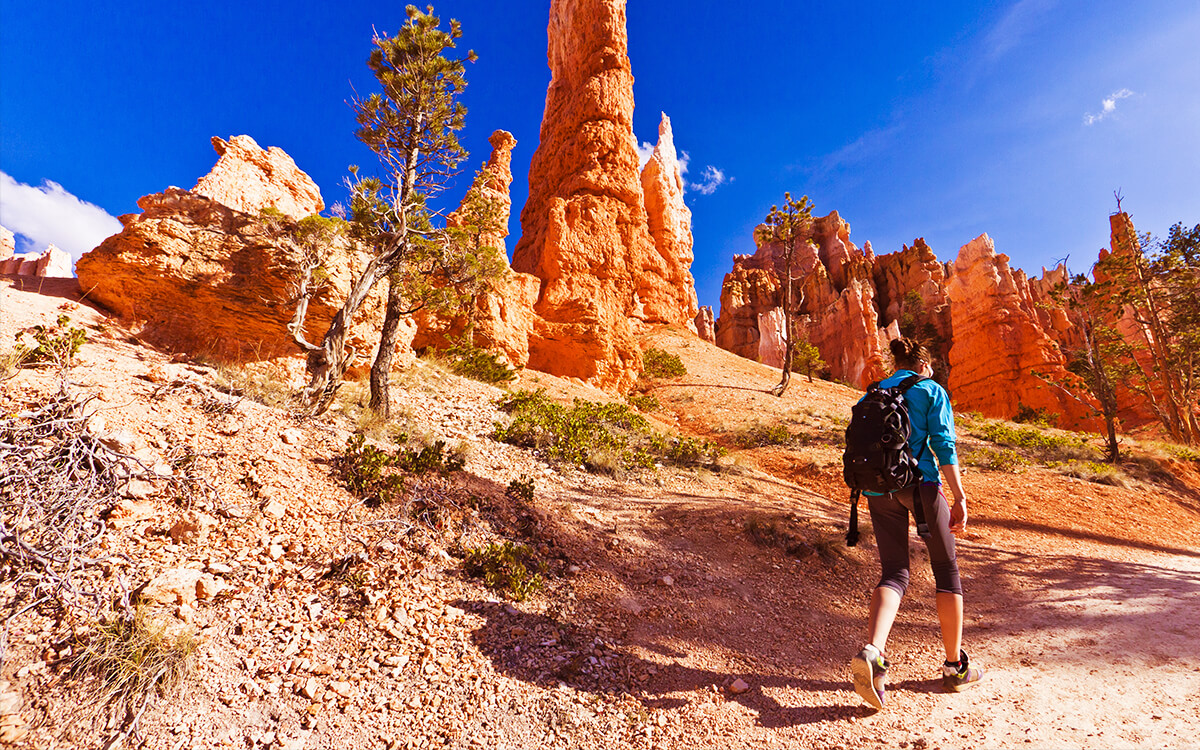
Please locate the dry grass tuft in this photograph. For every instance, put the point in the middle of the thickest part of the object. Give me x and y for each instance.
(127, 661)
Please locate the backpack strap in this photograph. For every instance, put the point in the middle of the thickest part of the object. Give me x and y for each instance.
(918, 504)
(852, 531)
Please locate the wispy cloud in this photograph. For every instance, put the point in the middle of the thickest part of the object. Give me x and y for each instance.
(48, 214)
(645, 153)
(1107, 107)
(1012, 28)
(710, 179)
(867, 145)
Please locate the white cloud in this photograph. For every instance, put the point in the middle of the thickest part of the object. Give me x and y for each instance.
(710, 179)
(48, 214)
(1017, 23)
(645, 153)
(1107, 107)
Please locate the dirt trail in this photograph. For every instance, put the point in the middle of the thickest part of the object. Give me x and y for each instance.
(1082, 601)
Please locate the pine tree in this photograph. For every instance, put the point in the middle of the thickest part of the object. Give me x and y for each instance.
(412, 126)
(785, 226)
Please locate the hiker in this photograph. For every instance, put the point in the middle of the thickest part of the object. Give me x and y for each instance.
(933, 436)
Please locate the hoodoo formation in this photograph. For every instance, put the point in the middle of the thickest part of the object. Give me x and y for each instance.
(998, 337)
(585, 230)
(203, 276)
(503, 316)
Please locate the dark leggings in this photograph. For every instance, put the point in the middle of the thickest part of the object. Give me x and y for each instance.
(889, 518)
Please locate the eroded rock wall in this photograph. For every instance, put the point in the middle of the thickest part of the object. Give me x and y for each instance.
(832, 298)
(1002, 357)
(203, 277)
(503, 316)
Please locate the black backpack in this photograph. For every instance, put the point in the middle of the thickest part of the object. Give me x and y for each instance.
(878, 457)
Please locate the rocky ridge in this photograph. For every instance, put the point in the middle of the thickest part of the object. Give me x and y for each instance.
(997, 336)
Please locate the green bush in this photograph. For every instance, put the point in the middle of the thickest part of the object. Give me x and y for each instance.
(431, 458)
(363, 468)
(370, 473)
(763, 435)
(521, 490)
(1046, 447)
(479, 364)
(506, 568)
(657, 363)
(644, 402)
(598, 436)
(56, 345)
(1040, 417)
(1003, 459)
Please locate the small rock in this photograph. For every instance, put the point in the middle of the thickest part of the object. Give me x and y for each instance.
(129, 513)
(311, 689)
(292, 436)
(274, 508)
(120, 441)
(137, 489)
(344, 689)
(174, 586)
(667, 581)
(739, 686)
(207, 587)
(194, 526)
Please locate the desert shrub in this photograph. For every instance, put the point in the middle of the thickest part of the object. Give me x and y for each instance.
(131, 660)
(431, 458)
(1002, 459)
(364, 469)
(1184, 453)
(1039, 417)
(644, 402)
(788, 534)
(1045, 446)
(762, 435)
(53, 346)
(599, 436)
(479, 364)
(657, 363)
(508, 568)
(1094, 471)
(370, 473)
(521, 490)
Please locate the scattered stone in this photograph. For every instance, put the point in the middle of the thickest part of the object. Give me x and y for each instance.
(739, 686)
(194, 526)
(292, 436)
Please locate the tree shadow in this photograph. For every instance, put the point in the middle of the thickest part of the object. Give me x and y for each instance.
(1014, 524)
(547, 652)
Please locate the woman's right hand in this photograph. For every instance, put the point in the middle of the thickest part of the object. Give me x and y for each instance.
(958, 516)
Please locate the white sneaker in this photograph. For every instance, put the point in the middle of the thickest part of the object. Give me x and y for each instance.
(869, 669)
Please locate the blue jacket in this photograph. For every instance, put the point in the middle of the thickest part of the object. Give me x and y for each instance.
(932, 424)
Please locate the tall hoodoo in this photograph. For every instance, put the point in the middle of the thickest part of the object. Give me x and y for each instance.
(584, 228)
(503, 315)
(673, 298)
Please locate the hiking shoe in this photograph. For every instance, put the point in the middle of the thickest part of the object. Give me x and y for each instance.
(957, 677)
(869, 669)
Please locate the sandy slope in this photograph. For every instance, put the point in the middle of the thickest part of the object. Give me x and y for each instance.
(1082, 600)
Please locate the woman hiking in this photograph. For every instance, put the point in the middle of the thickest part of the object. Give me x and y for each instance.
(932, 436)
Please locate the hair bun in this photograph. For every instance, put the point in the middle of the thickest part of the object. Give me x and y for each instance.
(903, 348)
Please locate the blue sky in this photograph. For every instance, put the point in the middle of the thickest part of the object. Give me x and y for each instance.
(918, 119)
